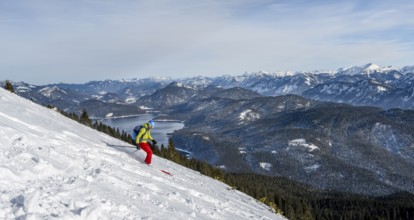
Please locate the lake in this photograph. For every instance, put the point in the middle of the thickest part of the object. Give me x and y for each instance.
(159, 132)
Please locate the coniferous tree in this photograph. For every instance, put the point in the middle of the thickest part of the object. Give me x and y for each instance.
(8, 86)
(84, 118)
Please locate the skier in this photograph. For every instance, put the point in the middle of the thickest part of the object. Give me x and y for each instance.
(143, 136)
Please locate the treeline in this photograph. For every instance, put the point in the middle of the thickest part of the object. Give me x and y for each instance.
(84, 119)
(286, 197)
(298, 201)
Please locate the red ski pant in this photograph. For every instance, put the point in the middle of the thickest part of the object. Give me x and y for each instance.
(146, 147)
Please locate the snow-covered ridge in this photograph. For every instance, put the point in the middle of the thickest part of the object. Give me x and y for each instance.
(279, 73)
(365, 69)
(302, 142)
(354, 70)
(54, 168)
(48, 91)
(203, 80)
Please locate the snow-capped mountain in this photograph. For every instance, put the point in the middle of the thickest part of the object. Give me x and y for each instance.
(54, 168)
(366, 69)
(318, 85)
(111, 93)
(365, 92)
(269, 84)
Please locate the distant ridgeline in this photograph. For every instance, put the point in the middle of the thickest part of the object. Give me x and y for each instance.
(367, 85)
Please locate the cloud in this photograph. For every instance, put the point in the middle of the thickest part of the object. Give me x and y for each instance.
(81, 40)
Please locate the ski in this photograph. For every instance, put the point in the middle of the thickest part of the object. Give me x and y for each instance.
(135, 157)
(121, 146)
(166, 172)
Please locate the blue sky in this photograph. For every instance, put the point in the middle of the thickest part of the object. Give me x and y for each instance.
(51, 41)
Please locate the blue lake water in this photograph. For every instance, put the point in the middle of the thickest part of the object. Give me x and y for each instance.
(159, 132)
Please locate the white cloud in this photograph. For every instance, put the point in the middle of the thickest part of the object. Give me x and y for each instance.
(84, 40)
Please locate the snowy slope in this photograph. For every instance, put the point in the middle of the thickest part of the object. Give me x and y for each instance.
(54, 168)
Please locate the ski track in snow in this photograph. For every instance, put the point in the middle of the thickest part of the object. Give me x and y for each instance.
(53, 168)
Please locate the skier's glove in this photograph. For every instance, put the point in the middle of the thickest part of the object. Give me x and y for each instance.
(154, 142)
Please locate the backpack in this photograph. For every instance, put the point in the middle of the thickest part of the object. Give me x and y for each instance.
(136, 131)
(138, 128)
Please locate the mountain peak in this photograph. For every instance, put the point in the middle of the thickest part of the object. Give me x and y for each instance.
(360, 70)
(371, 67)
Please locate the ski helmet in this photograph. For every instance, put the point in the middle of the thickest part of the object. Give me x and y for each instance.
(151, 123)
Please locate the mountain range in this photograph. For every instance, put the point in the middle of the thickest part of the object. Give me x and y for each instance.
(367, 85)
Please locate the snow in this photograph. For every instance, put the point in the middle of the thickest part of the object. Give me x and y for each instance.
(371, 67)
(302, 142)
(266, 166)
(130, 100)
(279, 73)
(242, 150)
(98, 97)
(23, 89)
(284, 73)
(289, 88)
(381, 89)
(54, 168)
(248, 115)
(182, 85)
(48, 91)
(407, 70)
(145, 107)
(308, 81)
(366, 69)
(313, 167)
